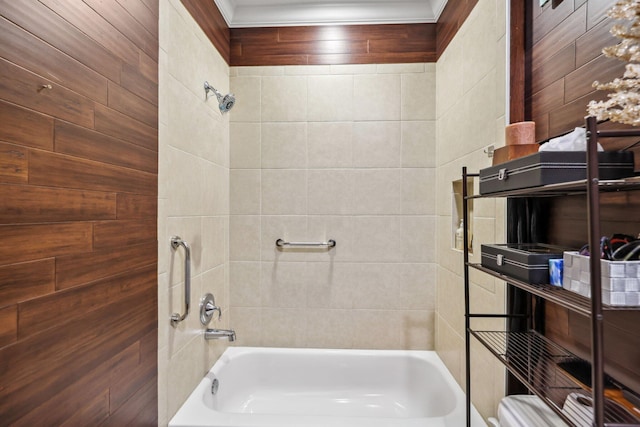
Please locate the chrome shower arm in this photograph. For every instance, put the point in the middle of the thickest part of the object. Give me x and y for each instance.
(208, 88)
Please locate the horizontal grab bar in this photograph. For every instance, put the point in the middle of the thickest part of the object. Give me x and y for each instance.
(328, 244)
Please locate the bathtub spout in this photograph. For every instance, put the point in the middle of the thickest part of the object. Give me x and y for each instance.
(214, 334)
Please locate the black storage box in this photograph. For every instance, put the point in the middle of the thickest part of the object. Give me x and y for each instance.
(523, 261)
(552, 167)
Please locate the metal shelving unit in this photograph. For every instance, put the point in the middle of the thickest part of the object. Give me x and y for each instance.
(530, 357)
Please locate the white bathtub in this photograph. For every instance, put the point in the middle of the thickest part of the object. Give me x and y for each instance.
(272, 387)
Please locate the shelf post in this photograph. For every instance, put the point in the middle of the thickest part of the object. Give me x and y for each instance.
(597, 320)
(467, 326)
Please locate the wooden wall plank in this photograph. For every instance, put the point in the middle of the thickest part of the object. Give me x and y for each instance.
(402, 58)
(580, 82)
(333, 44)
(212, 23)
(83, 17)
(13, 164)
(550, 18)
(153, 7)
(79, 395)
(560, 37)
(94, 412)
(19, 47)
(325, 47)
(134, 376)
(137, 409)
(148, 68)
(91, 297)
(140, 12)
(132, 105)
(590, 45)
(139, 84)
(111, 325)
(25, 127)
(571, 115)
(78, 269)
(567, 215)
(30, 204)
(135, 206)
(597, 11)
(24, 88)
(38, 241)
(121, 233)
(27, 280)
(41, 366)
(41, 21)
(548, 98)
(57, 170)
(127, 25)
(64, 157)
(91, 145)
(553, 69)
(517, 61)
(450, 21)
(413, 42)
(118, 125)
(8, 325)
(387, 46)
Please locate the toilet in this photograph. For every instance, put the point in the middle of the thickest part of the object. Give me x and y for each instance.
(525, 411)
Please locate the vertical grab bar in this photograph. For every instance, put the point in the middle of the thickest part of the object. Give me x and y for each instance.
(176, 242)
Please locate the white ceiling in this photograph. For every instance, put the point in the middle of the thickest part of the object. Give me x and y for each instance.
(269, 13)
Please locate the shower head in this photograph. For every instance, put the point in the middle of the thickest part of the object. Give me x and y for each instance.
(225, 102)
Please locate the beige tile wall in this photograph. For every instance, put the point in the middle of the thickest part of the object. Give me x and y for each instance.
(334, 152)
(193, 201)
(470, 99)
(318, 152)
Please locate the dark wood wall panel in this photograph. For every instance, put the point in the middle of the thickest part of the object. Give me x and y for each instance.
(333, 44)
(87, 20)
(66, 171)
(13, 164)
(212, 23)
(25, 88)
(113, 123)
(91, 145)
(565, 53)
(37, 241)
(565, 58)
(40, 21)
(23, 48)
(132, 105)
(22, 282)
(25, 127)
(8, 325)
(78, 181)
(79, 269)
(450, 21)
(343, 44)
(31, 204)
(114, 234)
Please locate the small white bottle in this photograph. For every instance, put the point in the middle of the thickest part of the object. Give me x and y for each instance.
(460, 236)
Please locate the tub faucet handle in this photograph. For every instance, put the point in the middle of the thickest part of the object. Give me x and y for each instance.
(210, 309)
(207, 308)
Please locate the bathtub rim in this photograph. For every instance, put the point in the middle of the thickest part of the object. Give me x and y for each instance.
(195, 399)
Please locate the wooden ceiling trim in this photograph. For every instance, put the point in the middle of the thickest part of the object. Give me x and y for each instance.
(327, 44)
(324, 44)
(209, 18)
(450, 21)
